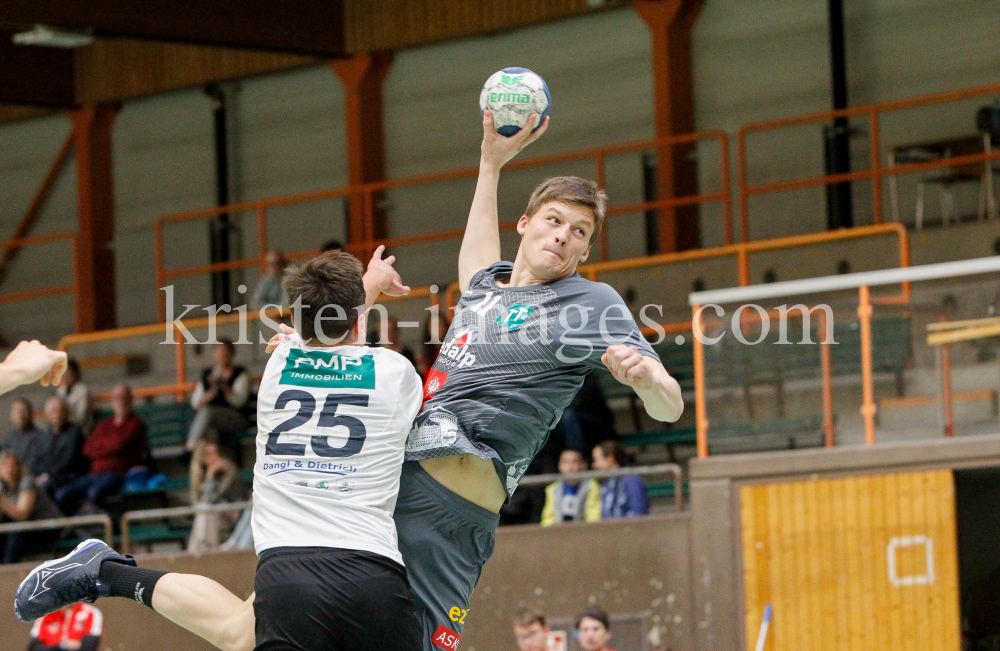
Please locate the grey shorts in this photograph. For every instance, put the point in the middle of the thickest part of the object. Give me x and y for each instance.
(445, 541)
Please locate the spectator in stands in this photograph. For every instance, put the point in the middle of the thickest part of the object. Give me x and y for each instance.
(566, 501)
(593, 630)
(220, 483)
(25, 441)
(77, 397)
(117, 444)
(268, 290)
(530, 630)
(621, 497)
(61, 458)
(588, 419)
(77, 627)
(20, 501)
(219, 400)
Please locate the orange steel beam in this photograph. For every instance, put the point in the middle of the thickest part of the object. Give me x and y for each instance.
(95, 261)
(670, 24)
(30, 294)
(868, 407)
(362, 76)
(28, 220)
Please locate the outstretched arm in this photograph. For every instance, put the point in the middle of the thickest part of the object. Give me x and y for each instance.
(31, 361)
(207, 609)
(660, 393)
(481, 244)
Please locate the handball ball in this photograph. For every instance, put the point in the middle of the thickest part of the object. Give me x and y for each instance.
(513, 94)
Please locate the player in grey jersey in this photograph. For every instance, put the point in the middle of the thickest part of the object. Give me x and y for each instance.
(524, 336)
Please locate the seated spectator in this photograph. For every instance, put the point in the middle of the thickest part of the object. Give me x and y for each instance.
(621, 497)
(77, 397)
(566, 501)
(77, 627)
(219, 400)
(20, 500)
(220, 483)
(530, 630)
(593, 630)
(60, 458)
(117, 444)
(25, 441)
(268, 290)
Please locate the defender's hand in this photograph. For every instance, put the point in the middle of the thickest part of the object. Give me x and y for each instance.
(628, 366)
(31, 361)
(498, 149)
(383, 277)
(279, 337)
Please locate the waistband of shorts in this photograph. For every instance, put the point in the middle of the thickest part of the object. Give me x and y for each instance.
(453, 502)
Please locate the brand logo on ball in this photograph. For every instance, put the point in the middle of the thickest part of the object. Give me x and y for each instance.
(322, 370)
(514, 317)
(509, 79)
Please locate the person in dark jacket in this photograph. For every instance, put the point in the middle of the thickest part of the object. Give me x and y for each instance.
(61, 457)
(117, 444)
(621, 497)
(25, 441)
(20, 501)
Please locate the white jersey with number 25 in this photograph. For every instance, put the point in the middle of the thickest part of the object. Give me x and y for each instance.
(331, 430)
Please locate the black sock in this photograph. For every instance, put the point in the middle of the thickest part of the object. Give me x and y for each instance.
(130, 582)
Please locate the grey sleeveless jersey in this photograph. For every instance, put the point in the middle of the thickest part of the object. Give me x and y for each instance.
(513, 359)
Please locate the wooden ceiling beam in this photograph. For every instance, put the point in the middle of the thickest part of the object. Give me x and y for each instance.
(312, 27)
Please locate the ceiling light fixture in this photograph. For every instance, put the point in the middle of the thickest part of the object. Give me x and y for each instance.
(48, 36)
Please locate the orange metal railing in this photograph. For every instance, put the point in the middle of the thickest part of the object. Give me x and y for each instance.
(11, 245)
(368, 191)
(876, 172)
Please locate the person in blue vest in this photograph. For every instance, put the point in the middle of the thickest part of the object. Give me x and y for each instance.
(621, 497)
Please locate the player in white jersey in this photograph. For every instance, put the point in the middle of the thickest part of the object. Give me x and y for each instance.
(333, 417)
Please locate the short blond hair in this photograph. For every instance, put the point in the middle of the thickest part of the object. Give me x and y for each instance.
(574, 191)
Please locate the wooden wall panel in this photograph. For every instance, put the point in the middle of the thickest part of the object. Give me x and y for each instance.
(116, 69)
(822, 552)
(394, 24)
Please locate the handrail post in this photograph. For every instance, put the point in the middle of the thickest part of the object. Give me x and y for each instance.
(741, 181)
(743, 265)
(701, 421)
(824, 357)
(868, 408)
(126, 534)
(599, 164)
(109, 531)
(262, 235)
(180, 360)
(947, 396)
(876, 146)
(727, 190)
(161, 299)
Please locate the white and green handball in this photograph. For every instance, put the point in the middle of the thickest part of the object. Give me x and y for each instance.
(513, 94)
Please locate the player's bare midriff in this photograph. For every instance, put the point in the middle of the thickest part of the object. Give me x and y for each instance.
(470, 478)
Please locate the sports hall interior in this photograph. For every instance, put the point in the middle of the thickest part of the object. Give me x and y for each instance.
(852, 487)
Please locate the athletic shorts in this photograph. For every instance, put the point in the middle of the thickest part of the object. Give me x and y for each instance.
(445, 541)
(326, 599)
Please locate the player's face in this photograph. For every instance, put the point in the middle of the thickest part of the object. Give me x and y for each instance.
(555, 240)
(593, 635)
(532, 637)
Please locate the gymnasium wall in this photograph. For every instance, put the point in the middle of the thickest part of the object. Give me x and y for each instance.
(752, 61)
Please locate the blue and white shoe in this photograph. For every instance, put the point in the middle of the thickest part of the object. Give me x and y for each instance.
(66, 580)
